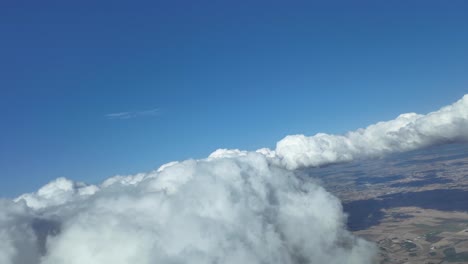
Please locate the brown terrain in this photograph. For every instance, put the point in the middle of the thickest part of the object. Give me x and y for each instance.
(414, 205)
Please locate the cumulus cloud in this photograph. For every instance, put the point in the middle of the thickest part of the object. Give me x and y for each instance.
(239, 209)
(233, 207)
(56, 193)
(406, 132)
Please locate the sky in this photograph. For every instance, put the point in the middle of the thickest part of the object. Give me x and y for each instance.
(89, 90)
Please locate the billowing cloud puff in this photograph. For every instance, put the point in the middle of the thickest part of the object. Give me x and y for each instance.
(406, 132)
(57, 192)
(220, 210)
(232, 207)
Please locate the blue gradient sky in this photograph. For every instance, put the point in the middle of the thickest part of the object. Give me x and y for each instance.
(188, 77)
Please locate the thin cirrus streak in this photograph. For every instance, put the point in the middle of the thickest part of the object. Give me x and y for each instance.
(133, 114)
(232, 207)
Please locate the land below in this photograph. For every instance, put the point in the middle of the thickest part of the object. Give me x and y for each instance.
(413, 205)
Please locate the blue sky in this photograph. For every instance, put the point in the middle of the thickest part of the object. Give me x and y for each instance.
(90, 90)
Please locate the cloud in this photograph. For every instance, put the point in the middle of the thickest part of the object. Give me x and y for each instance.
(19, 243)
(57, 193)
(407, 132)
(133, 114)
(239, 209)
(233, 207)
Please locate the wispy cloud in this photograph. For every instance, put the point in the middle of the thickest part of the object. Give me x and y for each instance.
(133, 114)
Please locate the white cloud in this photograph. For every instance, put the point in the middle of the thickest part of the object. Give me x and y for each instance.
(227, 153)
(406, 132)
(232, 207)
(56, 193)
(238, 209)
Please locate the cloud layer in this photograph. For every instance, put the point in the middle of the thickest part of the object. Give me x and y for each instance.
(232, 207)
(407, 132)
